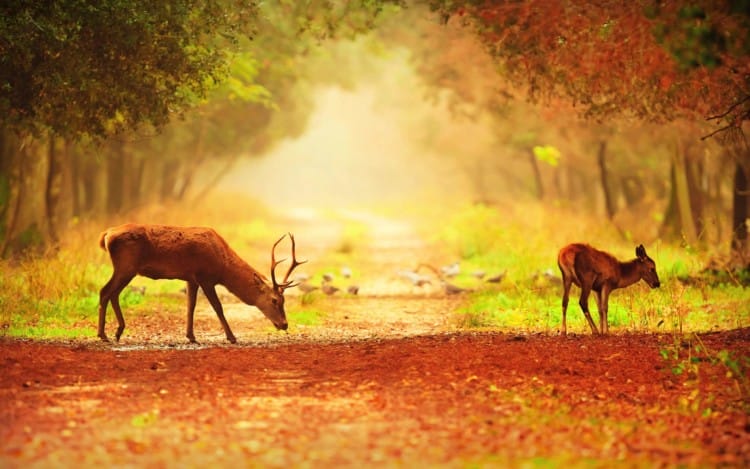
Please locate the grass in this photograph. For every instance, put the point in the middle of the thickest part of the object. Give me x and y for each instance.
(524, 243)
(306, 317)
(56, 295)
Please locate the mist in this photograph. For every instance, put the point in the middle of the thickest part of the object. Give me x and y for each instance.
(382, 142)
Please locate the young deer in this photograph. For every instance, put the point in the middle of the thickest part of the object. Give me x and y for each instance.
(591, 269)
(200, 257)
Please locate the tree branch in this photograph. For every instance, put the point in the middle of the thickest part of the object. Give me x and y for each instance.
(731, 108)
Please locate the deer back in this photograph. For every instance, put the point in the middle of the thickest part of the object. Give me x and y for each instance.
(588, 265)
(168, 252)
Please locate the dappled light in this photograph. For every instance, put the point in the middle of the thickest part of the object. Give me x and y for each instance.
(345, 233)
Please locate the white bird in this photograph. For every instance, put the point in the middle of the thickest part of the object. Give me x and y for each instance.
(346, 272)
(306, 287)
(549, 274)
(415, 278)
(301, 277)
(451, 270)
(136, 289)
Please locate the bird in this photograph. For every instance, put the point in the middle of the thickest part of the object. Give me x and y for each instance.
(328, 289)
(549, 274)
(479, 274)
(353, 289)
(136, 289)
(306, 287)
(346, 272)
(451, 270)
(301, 277)
(451, 289)
(327, 277)
(415, 278)
(496, 278)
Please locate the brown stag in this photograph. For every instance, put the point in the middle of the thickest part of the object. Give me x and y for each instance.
(200, 257)
(592, 269)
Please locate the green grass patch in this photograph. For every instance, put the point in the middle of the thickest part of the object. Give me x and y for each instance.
(305, 317)
(525, 245)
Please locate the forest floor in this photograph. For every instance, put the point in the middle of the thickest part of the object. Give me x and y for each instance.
(385, 380)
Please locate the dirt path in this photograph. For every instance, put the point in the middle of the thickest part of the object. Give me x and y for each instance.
(385, 381)
(433, 400)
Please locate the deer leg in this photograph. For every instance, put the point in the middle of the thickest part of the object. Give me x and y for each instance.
(192, 295)
(600, 310)
(210, 292)
(604, 310)
(104, 295)
(584, 302)
(567, 282)
(111, 293)
(120, 319)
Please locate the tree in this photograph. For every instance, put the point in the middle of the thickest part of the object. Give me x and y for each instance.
(654, 61)
(104, 78)
(77, 68)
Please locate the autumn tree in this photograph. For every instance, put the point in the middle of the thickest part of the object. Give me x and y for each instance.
(652, 61)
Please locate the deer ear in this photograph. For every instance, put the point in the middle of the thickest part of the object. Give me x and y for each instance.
(640, 251)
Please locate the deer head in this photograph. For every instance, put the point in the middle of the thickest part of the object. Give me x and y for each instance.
(647, 267)
(272, 303)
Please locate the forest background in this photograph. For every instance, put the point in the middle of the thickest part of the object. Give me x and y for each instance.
(632, 113)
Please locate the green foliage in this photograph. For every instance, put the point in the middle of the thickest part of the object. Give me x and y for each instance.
(691, 37)
(472, 231)
(547, 154)
(56, 295)
(687, 355)
(529, 298)
(93, 69)
(305, 317)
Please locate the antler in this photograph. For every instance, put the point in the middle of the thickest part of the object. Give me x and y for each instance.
(286, 283)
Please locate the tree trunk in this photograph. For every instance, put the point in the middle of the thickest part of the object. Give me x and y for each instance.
(75, 179)
(609, 202)
(52, 189)
(537, 175)
(670, 226)
(116, 178)
(14, 211)
(694, 170)
(135, 182)
(682, 196)
(168, 179)
(215, 180)
(740, 212)
(191, 167)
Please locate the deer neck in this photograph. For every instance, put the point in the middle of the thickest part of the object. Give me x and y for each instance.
(243, 281)
(629, 273)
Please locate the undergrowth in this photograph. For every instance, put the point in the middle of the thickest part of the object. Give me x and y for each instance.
(57, 294)
(688, 356)
(523, 241)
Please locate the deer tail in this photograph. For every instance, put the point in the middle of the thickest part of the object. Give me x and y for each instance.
(566, 263)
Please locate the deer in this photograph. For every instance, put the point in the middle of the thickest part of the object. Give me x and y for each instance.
(600, 272)
(200, 257)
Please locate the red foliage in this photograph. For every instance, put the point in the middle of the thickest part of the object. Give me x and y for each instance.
(657, 62)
